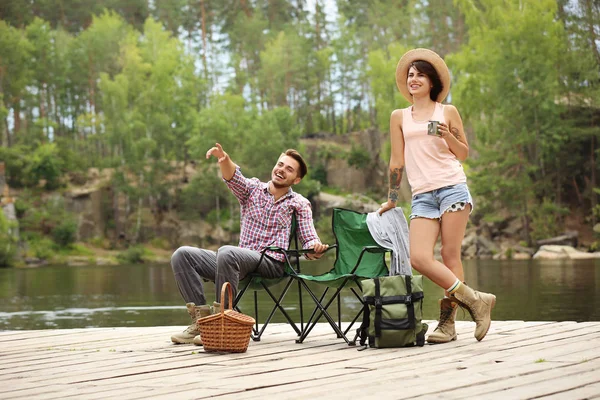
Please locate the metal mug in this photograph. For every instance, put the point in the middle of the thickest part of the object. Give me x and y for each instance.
(432, 128)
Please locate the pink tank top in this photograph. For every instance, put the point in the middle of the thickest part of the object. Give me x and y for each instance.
(429, 162)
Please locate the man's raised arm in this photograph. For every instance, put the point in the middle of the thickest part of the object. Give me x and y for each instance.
(227, 166)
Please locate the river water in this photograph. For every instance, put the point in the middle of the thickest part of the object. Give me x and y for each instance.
(146, 295)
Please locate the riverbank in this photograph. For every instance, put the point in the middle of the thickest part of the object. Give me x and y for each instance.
(85, 254)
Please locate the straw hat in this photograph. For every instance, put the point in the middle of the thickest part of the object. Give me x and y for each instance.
(426, 55)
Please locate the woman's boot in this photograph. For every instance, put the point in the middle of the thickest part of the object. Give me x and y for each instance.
(479, 305)
(445, 331)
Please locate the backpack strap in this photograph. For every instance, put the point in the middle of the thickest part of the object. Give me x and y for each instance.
(410, 307)
(378, 308)
(421, 335)
(361, 332)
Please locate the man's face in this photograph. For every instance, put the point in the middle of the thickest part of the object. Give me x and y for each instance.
(285, 173)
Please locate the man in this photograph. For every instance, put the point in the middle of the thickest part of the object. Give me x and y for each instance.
(266, 218)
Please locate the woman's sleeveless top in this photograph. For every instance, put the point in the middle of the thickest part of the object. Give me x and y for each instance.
(429, 162)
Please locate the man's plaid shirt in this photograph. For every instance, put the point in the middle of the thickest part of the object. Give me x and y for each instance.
(266, 222)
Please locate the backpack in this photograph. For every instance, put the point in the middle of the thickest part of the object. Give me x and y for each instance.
(395, 303)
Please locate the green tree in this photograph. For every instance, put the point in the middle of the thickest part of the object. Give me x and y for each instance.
(507, 87)
(14, 76)
(45, 165)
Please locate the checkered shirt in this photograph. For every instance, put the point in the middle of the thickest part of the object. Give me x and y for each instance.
(266, 222)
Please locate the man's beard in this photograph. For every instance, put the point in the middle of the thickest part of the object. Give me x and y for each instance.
(279, 185)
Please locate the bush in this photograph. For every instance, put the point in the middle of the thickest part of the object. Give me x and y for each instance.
(76, 250)
(133, 255)
(546, 220)
(359, 158)
(319, 174)
(22, 205)
(42, 248)
(65, 233)
(8, 243)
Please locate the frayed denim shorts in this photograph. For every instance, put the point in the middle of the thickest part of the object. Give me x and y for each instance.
(435, 203)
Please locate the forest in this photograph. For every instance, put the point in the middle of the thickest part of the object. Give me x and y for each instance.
(142, 88)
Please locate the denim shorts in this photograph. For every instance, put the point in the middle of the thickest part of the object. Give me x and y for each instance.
(435, 203)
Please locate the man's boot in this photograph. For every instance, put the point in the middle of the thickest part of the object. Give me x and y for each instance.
(188, 335)
(445, 331)
(216, 307)
(479, 305)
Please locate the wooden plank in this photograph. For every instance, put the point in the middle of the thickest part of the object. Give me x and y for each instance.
(132, 363)
(444, 365)
(591, 391)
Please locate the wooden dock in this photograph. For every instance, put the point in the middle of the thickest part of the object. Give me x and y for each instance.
(517, 360)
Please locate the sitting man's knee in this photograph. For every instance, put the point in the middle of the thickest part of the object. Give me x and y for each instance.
(226, 256)
(226, 251)
(178, 258)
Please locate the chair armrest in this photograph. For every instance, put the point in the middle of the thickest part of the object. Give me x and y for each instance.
(299, 252)
(369, 249)
(376, 249)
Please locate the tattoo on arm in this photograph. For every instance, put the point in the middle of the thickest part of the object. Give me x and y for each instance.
(455, 132)
(395, 179)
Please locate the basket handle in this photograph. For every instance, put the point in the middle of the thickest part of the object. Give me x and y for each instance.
(226, 286)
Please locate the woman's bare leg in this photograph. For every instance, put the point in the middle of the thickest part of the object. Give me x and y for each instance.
(454, 225)
(423, 235)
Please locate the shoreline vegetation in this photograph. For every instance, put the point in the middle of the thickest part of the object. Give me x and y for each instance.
(83, 255)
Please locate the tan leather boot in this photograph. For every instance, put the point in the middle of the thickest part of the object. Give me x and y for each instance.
(216, 308)
(479, 305)
(188, 335)
(445, 331)
(197, 340)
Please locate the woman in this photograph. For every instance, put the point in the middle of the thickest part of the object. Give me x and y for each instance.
(441, 202)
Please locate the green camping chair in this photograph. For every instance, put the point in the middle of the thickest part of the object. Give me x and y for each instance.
(255, 283)
(358, 257)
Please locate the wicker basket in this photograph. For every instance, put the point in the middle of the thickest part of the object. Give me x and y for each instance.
(228, 331)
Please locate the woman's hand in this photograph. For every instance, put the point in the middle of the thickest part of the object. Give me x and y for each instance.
(443, 130)
(388, 205)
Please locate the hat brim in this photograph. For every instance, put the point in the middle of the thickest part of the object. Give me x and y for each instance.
(426, 55)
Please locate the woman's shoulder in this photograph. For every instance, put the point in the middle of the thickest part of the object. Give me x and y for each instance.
(398, 113)
(449, 109)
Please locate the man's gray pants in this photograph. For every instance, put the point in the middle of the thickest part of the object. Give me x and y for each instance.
(192, 265)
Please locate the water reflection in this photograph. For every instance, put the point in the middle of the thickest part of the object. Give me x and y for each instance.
(146, 295)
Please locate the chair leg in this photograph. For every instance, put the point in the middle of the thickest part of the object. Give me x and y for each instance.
(257, 329)
(357, 315)
(256, 336)
(310, 324)
(339, 310)
(301, 308)
(279, 307)
(322, 312)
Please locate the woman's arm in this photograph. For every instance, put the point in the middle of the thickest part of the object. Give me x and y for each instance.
(396, 161)
(453, 133)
